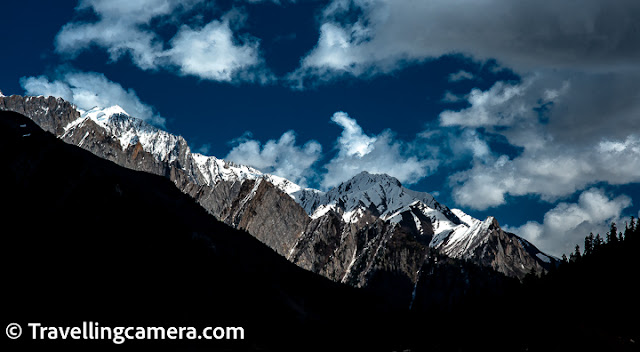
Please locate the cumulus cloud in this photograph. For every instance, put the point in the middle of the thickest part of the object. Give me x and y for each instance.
(280, 157)
(568, 223)
(212, 52)
(122, 28)
(377, 154)
(469, 142)
(353, 141)
(364, 37)
(89, 89)
(498, 106)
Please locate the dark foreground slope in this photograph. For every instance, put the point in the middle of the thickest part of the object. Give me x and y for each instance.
(591, 303)
(86, 240)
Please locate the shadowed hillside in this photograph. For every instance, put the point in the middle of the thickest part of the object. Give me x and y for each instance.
(86, 240)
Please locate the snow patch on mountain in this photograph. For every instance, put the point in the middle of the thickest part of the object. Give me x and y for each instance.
(215, 170)
(323, 210)
(283, 184)
(102, 115)
(543, 257)
(463, 238)
(465, 218)
(353, 216)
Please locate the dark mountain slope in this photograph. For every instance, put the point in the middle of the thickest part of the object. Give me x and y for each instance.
(591, 303)
(86, 240)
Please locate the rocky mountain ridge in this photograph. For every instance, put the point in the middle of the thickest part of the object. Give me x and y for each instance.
(367, 231)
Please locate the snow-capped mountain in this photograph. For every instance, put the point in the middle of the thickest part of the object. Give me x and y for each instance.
(169, 148)
(381, 194)
(131, 131)
(166, 147)
(368, 228)
(384, 197)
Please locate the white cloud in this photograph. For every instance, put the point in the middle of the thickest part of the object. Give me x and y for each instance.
(353, 141)
(451, 98)
(89, 89)
(143, 46)
(122, 28)
(212, 52)
(280, 157)
(42, 86)
(469, 142)
(498, 106)
(568, 223)
(376, 154)
(460, 76)
(139, 11)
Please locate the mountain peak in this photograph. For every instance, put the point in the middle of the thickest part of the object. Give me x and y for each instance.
(381, 194)
(101, 114)
(365, 177)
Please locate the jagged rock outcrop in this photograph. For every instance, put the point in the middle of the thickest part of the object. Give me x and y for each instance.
(490, 246)
(368, 232)
(50, 113)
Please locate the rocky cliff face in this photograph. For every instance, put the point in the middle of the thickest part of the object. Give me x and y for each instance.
(368, 232)
(51, 114)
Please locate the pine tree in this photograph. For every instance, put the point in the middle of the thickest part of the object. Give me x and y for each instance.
(552, 267)
(531, 277)
(575, 256)
(597, 242)
(635, 234)
(588, 244)
(629, 228)
(612, 235)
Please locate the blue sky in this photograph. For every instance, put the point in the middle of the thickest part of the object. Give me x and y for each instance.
(527, 111)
